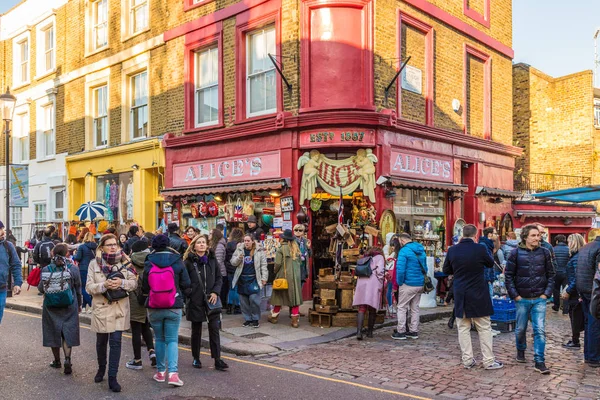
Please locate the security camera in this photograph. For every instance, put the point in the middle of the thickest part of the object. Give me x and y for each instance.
(382, 180)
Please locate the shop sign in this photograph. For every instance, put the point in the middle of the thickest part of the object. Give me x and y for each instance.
(414, 210)
(421, 166)
(412, 79)
(337, 137)
(228, 170)
(19, 185)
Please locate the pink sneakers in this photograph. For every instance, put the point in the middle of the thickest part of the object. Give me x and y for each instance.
(159, 377)
(174, 379)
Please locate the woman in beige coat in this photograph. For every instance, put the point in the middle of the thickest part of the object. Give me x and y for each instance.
(109, 318)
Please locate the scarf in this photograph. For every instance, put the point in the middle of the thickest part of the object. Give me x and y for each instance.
(60, 261)
(106, 261)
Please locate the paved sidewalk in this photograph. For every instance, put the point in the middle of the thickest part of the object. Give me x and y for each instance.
(268, 339)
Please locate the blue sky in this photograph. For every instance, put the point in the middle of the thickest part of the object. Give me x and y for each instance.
(552, 35)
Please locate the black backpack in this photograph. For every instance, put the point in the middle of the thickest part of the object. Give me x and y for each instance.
(45, 253)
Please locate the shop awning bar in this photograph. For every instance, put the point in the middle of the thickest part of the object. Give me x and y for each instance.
(229, 188)
(573, 195)
(555, 214)
(428, 185)
(488, 191)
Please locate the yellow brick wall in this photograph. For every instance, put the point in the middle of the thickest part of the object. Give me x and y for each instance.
(413, 44)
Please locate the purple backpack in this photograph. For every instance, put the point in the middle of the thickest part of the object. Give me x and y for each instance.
(162, 287)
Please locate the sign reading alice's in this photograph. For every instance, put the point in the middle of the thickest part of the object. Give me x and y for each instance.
(421, 166)
(338, 137)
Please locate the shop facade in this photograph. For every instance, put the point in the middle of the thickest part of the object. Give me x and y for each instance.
(125, 178)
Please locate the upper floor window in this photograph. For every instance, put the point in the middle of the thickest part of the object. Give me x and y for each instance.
(597, 113)
(207, 87)
(99, 24)
(100, 99)
(138, 15)
(21, 61)
(139, 105)
(261, 86)
(45, 48)
(46, 138)
(39, 213)
(21, 138)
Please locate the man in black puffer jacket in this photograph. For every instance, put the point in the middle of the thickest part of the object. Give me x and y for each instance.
(529, 281)
(587, 264)
(562, 256)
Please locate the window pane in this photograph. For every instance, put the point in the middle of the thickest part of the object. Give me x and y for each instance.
(59, 200)
(139, 118)
(257, 98)
(257, 53)
(49, 38)
(139, 90)
(24, 51)
(271, 90)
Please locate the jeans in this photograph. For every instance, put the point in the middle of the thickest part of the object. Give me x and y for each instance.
(536, 308)
(250, 306)
(484, 331)
(114, 341)
(560, 281)
(591, 337)
(87, 299)
(2, 303)
(166, 329)
(139, 329)
(234, 297)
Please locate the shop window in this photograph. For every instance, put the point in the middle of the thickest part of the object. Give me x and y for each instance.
(261, 87)
(116, 192)
(39, 213)
(100, 128)
(16, 222)
(139, 105)
(207, 87)
(21, 138)
(57, 197)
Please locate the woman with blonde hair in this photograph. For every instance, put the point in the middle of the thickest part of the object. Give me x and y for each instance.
(288, 266)
(84, 254)
(575, 242)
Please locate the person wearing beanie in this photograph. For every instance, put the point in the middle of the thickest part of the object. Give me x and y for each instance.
(253, 229)
(9, 264)
(135, 233)
(177, 243)
(164, 312)
(140, 327)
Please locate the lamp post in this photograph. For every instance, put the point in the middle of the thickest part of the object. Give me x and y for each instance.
(7, 110)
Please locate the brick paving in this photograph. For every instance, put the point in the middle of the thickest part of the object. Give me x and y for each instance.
(430, 366)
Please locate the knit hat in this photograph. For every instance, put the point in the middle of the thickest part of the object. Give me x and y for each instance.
(252, 218)
(172, 227)
(160, 241)
(139, 245)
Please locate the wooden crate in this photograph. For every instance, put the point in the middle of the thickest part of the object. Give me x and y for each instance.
(327, 278)
(327, 309)
(328, 302)
(318, 319)
(325, 271)
(326, 285)
(327, 293)
(345, 285)
(346, 296)
(345, 319)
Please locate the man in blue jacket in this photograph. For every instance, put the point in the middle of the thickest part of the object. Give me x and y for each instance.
(9, 264)
(410, 265)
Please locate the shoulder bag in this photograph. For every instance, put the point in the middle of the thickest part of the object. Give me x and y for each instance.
(115, 294)
(282, 283)
(427, 284)
(211, 309)
(363, 268)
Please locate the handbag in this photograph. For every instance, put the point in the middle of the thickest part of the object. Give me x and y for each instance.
(115, 294)
(427, 283)
(211, 309)
(363, 268)
(281, 283)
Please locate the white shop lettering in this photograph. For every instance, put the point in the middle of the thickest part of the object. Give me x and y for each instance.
(420, 165)
(224, 169)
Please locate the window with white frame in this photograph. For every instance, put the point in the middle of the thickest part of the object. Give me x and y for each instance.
(16, 224)
(139, 105)
(99, 24)
(57, 196)
(48, 41)
(261, 87)
(138, 16)
(39, 213)
(21, 60)
(207, 87)
(47, 147)
(21, 138)
(597, 113)
(100, 124)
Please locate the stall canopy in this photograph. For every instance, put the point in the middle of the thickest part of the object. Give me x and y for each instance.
(574, 195)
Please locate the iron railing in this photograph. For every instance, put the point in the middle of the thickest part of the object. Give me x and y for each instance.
(537, 183)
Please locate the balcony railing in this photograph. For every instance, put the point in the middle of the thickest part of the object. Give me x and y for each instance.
(537, 183)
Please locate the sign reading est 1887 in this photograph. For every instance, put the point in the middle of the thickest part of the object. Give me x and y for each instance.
(349, 137)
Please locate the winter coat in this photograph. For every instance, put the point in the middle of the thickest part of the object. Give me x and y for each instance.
(562, 255)
(572, 276)
(85, 254)
(220, 253)
(467, 261)
(587, 263)
(59, 322)
(255, 233)
(128, 245)
(260, 264)
(163, 259)
(508, 247)
(595, 303)
(549, 247)
(368, 290)
(489, 245)
(38, 258)
(138, 312)
(291, 269)
(229, 250)
(177, 243)
(410, 264)
(9, 264)
(113, 317)
(529, 273)
(205, 278)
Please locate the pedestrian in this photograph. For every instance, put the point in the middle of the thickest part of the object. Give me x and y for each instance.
(42, 253)
(202, 299)
(165, 281)
(122, 240)
(61, 285)
(544, 243)
(587, 265)
(134, 235)
(389, 253)
(305, 253)
(253, 229)
(467, 262)
(250, 277)
(233, 298)
(108, 281)
(138, 317)
(84, 254)
(562, 256)
(218, 247)
(175, 241)
(9, 264)
(288, 266)
(575, 243)
(448, 299)
(411, 267)
(368, 292)
(529, 282)
(595, 302)
(488, 240)
(510, 245)
(190, 234)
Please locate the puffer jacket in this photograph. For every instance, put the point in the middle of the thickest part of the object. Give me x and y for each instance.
(595, 303)
(163, 259)
(562, 255)
(509, 247)
(589, 257)
(549, 247)
(260, 264)
(488, 273)
(85, 254)
(529, 273)
(177, 243)
(410, 264)
(572, 275)
(220, 252)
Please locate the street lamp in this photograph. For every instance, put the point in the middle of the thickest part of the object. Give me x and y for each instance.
(7, 110)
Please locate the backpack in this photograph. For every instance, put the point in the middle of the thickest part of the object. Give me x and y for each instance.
(162, 287)
(34, 277)
(45, 253)
(57, 288)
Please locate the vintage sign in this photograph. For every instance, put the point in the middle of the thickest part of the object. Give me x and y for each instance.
(421, 166)
(332, 175)
(414, 210)
(412, 79)
(228, 170)
(338, 137)
(19, 185)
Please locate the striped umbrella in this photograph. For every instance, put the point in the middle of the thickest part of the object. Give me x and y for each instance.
(90, 211)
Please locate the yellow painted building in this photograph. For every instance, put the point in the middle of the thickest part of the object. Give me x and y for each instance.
(126, 178)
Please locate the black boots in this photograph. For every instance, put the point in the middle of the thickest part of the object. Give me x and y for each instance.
(360, 320)
(229, 309)
(68, 366)
(451, 320)
(220, 365)
(100, 374)
(371, 324)
(113, 384)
